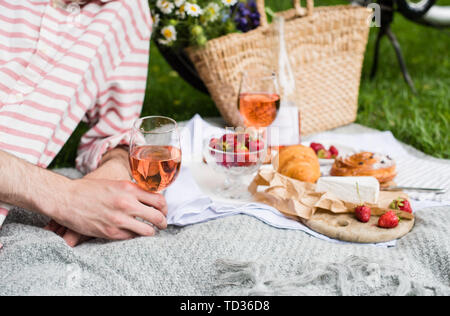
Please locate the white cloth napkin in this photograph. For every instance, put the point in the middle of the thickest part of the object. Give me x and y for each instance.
(188, 204)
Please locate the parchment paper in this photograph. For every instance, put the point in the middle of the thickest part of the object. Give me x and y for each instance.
(299, 200)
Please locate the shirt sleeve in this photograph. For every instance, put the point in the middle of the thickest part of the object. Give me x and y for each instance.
(4, 209)
(118, 106)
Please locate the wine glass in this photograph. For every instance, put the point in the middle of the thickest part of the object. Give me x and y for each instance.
(259, 98)
(155, 153)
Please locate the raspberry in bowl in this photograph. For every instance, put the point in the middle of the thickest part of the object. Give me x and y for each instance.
(235, 155)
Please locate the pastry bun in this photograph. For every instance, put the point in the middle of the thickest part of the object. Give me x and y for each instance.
(300, 163)
(382, 167)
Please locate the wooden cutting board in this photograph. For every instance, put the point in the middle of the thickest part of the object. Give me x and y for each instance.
(346, 227)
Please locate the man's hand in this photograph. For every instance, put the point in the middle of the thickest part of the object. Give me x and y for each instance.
(71, 237)
(91, 207)
(114, 166)
(108, 209)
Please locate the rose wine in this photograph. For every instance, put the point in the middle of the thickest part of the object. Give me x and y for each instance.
(259, 109)
(155, 167)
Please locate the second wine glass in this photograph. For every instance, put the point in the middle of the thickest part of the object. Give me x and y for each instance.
(259, 98)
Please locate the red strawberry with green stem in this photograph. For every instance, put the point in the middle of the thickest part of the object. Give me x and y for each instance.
(389, 220)
(362, 212)
(214, 145)
(242, 155)
(229, 142)
(316, 147)
(402, 205)
(256, 145)
(324, 154)
(334, 152)
(244, 139)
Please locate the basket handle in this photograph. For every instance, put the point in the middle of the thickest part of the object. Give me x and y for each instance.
(296, 3)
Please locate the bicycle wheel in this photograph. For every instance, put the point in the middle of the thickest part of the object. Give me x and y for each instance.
(414, 9)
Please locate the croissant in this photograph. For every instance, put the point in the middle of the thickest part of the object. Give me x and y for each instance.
(366, 164)
(299, 162)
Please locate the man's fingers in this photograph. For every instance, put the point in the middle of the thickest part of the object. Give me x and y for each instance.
(52, 226)
(84, 239)
(126, 235)
(139, 228)
(150, 215)
(156, 201)
(61, 231)
(72, 238)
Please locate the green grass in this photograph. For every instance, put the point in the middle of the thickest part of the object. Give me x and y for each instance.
(422, 120)
(385, 103)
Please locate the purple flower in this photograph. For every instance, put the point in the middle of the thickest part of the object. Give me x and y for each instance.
(252, 4)
(247, 16)
(245, 12)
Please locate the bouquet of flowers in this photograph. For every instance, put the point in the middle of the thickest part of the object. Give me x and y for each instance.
(183, 23)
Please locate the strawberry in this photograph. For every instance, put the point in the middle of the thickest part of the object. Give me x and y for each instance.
(227, 137)
(363, 213)
(247, 140)
(214, 144)
(249, 161)
(238, 150)
(316, 147)
(240, 147)
(334, 152)
(256, 145)
(226, 160)
(402, 205)
(229, 142)
(242, 155)
(244, 139)
(324, 154)
(389, 220)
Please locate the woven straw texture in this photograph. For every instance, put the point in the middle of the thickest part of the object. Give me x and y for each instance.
(326, 50)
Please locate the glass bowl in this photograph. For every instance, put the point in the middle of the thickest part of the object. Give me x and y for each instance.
(236, 156)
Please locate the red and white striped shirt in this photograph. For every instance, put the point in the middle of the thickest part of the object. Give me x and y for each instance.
(60, 64)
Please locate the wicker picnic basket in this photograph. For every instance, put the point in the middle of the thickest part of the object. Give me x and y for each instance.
(326, 48)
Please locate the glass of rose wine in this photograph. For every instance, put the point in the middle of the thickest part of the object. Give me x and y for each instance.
(259, 98)
(155, 153)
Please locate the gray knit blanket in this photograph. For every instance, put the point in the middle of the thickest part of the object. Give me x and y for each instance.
(232, 256)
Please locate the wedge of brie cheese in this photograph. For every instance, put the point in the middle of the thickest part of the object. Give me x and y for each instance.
(345, 188)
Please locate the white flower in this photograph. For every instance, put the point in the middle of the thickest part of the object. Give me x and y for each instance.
(169, 33)
(193, 10)
(163, 42)
(213, 11)
(229, 3)
(165, 6)
(181, 11)
(179, 3)
(156, 20)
